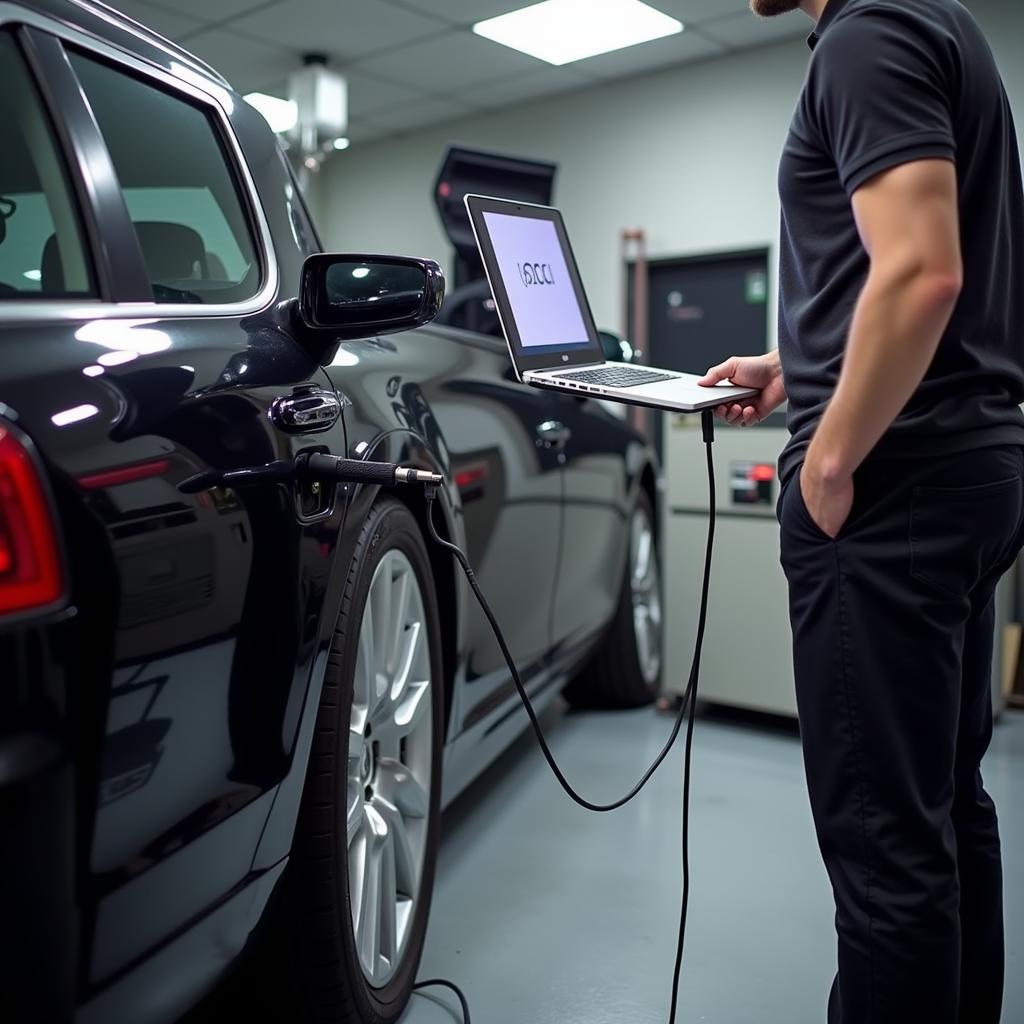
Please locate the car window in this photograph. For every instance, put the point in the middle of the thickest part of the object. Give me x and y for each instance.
(41, 250)
(178, 186)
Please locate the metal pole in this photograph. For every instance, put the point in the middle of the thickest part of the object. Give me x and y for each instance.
(636, 331)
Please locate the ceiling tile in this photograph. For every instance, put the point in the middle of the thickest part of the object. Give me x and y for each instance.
(211, 11)
(464, 12)
(166, 23)
(272, 87)
(521, 88)
(695, 11)
(419, 113)
(742, 31)
(367, 94)
(468, 12)
(452, 62)
(350, 29)
(245, 63)
(360, 130)
(658, 53)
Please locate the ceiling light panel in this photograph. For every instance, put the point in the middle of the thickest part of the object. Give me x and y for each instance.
(562, 31)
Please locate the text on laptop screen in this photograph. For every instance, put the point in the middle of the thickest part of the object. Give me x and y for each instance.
(536, 278)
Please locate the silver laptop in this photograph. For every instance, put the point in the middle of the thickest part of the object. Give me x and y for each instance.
(546, 317)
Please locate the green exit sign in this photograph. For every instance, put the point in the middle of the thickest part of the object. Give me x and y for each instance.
(757, 287)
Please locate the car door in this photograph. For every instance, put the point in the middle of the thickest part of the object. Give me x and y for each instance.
(594, 535)
(150, 353)
(508, 470)
(458, 389)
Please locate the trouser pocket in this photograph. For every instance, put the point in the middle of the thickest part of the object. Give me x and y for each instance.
(959, 534)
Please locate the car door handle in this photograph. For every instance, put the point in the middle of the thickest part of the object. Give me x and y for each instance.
(552, 434)
(305, 411)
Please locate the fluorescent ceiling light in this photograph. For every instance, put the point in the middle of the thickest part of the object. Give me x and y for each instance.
(281, 115)
(561, 31)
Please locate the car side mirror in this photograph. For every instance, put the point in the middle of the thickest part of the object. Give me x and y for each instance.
(347, 296)
(616, 349)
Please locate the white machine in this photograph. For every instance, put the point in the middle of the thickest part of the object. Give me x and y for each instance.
(747, 660)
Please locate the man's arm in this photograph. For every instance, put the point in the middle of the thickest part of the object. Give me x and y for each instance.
(908, 220)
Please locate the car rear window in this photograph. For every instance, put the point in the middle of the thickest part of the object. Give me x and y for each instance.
(178, 185)
(41, 250)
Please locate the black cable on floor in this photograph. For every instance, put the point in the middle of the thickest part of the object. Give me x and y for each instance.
(708, 425)
(441, 983)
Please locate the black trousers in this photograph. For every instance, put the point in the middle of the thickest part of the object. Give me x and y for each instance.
(892, 649)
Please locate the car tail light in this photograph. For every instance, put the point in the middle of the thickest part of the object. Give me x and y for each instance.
(30, 561)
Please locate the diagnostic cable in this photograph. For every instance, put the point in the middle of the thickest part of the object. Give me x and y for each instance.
(687, 706)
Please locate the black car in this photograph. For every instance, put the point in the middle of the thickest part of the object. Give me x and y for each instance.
(235, 696)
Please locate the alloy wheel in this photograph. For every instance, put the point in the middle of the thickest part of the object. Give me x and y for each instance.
(389, 767)
(645, 586)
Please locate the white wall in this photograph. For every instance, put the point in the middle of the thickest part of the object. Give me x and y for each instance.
(690, 154)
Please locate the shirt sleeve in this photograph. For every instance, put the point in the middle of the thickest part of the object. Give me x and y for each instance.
(879, 95)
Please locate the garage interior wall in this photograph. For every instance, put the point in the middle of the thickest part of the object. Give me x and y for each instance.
(690, 154)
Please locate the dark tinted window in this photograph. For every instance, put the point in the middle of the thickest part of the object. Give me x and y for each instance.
(41, 250)
(180, 192)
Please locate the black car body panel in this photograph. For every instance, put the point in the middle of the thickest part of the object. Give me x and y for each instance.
(543, 527)
(154, 746)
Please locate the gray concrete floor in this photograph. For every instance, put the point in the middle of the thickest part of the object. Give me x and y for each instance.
(545, 914)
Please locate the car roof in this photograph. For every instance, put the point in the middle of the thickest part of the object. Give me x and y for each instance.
(109, 25)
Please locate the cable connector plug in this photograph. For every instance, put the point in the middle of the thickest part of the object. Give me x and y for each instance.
(405, 475)
(707, 422)
(359, 471)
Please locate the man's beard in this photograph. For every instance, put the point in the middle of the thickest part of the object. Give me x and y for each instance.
(771, 8)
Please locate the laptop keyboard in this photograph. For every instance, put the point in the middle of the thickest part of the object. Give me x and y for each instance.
(616, 376)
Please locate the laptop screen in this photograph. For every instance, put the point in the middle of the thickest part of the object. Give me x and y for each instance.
(536, 277)
(535, 283)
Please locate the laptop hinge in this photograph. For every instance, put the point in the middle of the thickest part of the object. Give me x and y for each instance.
(574, 366)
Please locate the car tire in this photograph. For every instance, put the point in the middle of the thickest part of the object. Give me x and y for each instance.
(353, 954)
(625, 670)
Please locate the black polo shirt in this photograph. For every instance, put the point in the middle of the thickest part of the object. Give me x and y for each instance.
(890, 82)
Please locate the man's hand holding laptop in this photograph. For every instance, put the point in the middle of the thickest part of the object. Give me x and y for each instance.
(763, 372)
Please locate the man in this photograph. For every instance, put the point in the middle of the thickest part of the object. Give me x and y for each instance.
(901, 344)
